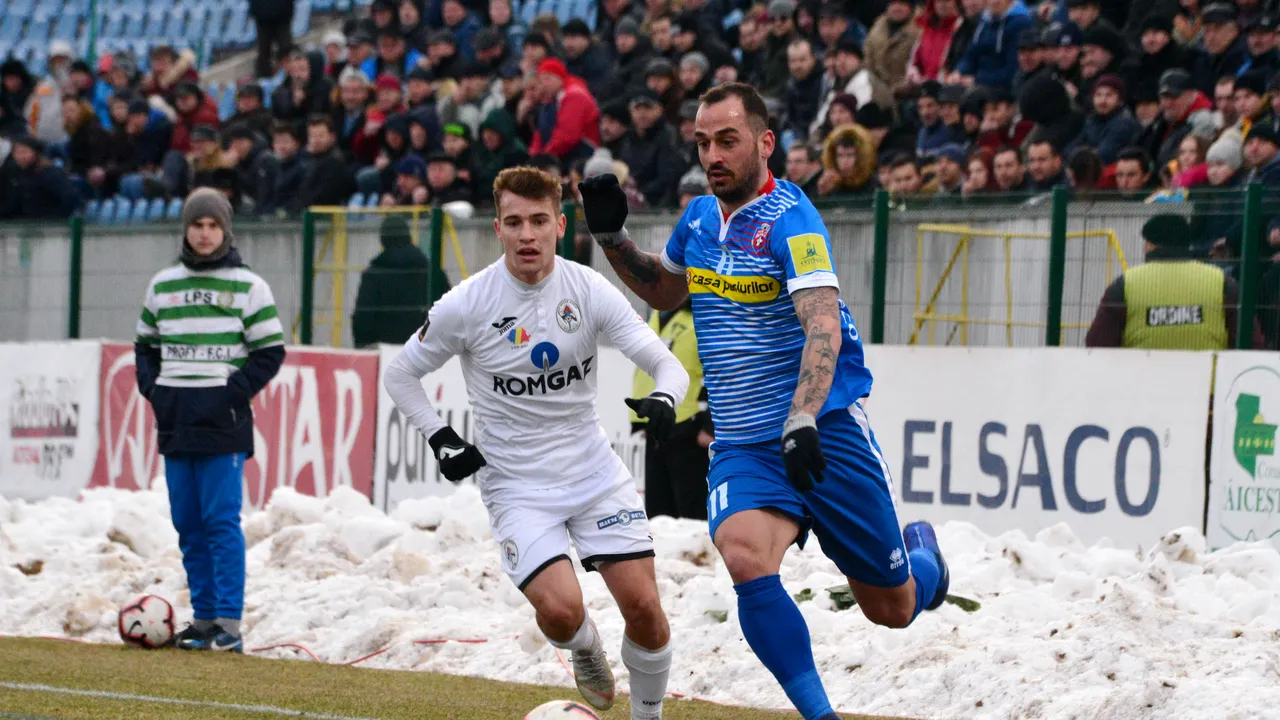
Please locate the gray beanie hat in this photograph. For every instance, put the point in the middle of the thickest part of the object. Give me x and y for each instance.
(696, 58)
(1226, 150)
(206, 203)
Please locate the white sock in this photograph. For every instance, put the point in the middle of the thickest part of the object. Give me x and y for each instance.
(649, 670)
(585, 639)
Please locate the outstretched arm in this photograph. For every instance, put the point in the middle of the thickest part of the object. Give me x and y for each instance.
(819, 312)
(643, 272)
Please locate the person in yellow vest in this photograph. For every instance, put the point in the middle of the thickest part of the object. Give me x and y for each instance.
(1172, 302)
(675, 478)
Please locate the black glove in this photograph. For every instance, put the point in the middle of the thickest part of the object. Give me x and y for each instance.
(457, 457)
(660, 409)
(801, 452)
(603, 203)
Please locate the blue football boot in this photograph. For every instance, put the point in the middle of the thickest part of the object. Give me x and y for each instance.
(920, 535)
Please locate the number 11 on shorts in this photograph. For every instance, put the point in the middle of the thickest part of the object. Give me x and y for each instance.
(718, 500)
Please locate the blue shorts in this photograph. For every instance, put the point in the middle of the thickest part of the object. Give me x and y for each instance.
(852, 511)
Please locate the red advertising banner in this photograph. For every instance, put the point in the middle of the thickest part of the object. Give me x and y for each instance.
(314, 426)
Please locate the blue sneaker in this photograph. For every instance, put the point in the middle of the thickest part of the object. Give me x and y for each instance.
(920, 535)
(193, 638)
(223, 641)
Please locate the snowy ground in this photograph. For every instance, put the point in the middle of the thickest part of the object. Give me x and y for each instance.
(1064, 631)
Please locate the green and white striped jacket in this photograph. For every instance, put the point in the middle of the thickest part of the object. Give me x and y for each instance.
(206, 323)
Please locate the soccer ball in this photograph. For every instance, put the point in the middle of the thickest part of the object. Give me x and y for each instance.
(561, 710)
(147, 622)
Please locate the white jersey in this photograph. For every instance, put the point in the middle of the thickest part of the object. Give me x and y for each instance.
(528, 355)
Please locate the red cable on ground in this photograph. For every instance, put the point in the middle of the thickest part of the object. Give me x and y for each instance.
(296, 646)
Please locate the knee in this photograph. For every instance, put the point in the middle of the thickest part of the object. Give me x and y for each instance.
(889, 614)
(561, 617)
(644, 612)
(744, 560)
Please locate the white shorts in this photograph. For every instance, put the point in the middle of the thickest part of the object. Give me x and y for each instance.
(603, 514)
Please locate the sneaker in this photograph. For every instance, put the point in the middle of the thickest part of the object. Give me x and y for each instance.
(223, 641)
(192, 638)
(594, 677)
(921, 535)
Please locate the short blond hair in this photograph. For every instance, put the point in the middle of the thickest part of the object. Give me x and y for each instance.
(527, 182)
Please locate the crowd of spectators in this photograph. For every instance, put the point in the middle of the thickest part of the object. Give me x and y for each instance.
(423, 102)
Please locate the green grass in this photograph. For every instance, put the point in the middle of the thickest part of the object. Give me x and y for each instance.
(295, 685)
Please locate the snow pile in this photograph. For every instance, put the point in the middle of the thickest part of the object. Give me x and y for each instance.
(1065, 631)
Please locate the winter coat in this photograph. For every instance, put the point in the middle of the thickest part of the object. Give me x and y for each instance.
(929, 55)
(13, 105)
(205, 113)
(1146, 75)
(803, 99)
(1046, 103)
(488, 163)
(392, 300)
(629, 74)
(326, 180)
(569, 126)
(44, 112)
(1199, 120)
(89, 145)
(864, 170)
(464, 34)
(595, 67)
(992, 58)
(1208, 68)
(654, 162)
(40, 192)
(215, 420)
(271, 10)
(319, 95)
(183, 70)
(888, 53)
(1108, 135)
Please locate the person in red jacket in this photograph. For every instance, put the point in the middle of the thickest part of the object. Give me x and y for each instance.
(938, 24)
(567, 119)
(193, 108)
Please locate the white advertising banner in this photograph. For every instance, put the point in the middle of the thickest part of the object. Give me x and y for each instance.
(404, 466)
(1110, 442)
(1244, 471)
(49, 434)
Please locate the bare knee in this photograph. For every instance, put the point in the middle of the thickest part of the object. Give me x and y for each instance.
(645, 620)
(560, 618)
(891, 607)
(889, 614)
(745, 560)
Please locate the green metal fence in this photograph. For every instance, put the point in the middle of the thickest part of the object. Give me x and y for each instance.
(990, 273)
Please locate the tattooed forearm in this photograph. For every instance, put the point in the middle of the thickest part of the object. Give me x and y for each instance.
(819, 313)
(634, 266)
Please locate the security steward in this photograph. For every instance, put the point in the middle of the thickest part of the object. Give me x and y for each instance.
(676, 470)
(1172, 302)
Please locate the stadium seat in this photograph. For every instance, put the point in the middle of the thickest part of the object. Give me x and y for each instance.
(157, 18)
(371, 201)
(197, 23)
(91, 210)
(135, 19)
(37, 30)
(301, 17)
(156, 211)
(124, 211)
(104, 210)
(175, 209)
(139, 213)
(113, 24)
(20, 8)
(65, 27)
(10, 30)
(227, 107)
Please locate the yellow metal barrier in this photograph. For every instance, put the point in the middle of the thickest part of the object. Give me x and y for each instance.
(962, 321)
(332, 257)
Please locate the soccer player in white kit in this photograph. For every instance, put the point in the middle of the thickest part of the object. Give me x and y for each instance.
(526, 330)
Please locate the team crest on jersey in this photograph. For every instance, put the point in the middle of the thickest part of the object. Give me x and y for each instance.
(225, 299)
(510, 554)
(568, 316)
(761, 238)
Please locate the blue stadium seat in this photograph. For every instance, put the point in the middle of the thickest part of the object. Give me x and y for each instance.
(104, 211)
(140, 208)
(81, 7)
(157, 18)
(301, 17)
(197, 23)
(528, 11)
(135, 22)
(65, 27)
(156, 211)
(177, 25)
(91, 209)
(175, 209)
(113, 24)
(322, 5)
(227, 107)
(20, 8)
(371, 201)
(11, 30)
(37, 30)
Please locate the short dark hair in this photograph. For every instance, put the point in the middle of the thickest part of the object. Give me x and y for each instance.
(315, 119)
(812, 153)
(1007, 149)
(902, 160)
(544, 161)
(1138, 155)
(284, 127)
(757, 111)
(1053, 147)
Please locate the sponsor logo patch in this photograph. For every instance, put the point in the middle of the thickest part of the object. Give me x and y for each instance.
(623, 518)
(809, 253)
(743, 289)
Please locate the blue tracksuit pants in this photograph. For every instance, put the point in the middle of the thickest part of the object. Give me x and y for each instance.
(205, 495)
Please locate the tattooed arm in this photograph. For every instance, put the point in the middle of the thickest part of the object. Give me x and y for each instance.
(819, 312)
(643, 272)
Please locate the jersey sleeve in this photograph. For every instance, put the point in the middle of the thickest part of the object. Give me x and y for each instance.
(673, 254)
(442, 336)
(615, 319)
(262, 328)
(148, 332)
(801, 244)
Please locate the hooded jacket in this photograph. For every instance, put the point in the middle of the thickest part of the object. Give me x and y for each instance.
(510, 153)
(392, 300)
(992, 58)
(39, 192)
(865, 168)
(205, 113)
(888, 50)
(13, 119)
(929, 55)
(1108, 134)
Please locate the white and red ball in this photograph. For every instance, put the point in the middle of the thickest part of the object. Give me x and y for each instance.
(147, 622)
(562, 710)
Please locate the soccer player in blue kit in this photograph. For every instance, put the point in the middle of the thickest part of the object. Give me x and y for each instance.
(784, 372)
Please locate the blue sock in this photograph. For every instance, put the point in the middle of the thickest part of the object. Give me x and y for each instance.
(776, 632)
(924, 568)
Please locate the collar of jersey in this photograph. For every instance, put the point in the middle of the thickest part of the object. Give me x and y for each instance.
(524, 288)
(765, 189)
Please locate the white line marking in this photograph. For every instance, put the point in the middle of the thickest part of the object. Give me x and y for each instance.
(268, 709)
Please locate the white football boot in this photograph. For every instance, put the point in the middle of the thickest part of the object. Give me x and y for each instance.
(594, 676)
